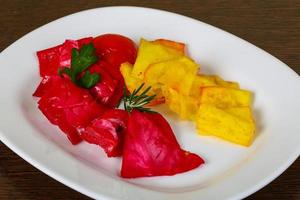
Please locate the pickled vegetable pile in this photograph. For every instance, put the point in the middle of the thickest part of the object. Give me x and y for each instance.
(84, 81)
(218, 107)
(80, 91)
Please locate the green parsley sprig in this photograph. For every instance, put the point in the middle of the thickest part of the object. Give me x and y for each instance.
(81, 60)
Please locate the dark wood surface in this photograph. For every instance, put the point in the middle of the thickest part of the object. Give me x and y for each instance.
(271, 25)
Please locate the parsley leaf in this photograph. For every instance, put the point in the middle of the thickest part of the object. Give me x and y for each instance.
(88, 80)
(81, 60)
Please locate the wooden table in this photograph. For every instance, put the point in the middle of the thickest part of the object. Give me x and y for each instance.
(271, 25)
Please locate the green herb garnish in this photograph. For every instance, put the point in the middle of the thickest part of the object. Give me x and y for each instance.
(81, 60)
(137, 101)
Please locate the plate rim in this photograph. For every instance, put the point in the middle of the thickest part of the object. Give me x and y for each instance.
(65, 181)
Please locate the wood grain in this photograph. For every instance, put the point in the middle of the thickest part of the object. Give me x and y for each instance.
(271, 25)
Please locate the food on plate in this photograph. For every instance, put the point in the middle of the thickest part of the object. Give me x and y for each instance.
(132, 82)
(81, 88)
(66, 105)
(155, 53)
(202, 80)
(176, 81)
(234, 124)
(84, 81)
(152, 52)
(169, 43)
(178, 73)
(107, 131)
(184, 105)
(81, 82)
(81, 60)
(150, 147)
(226, 113)
(50, 60)
(115, 50)
(223, 97)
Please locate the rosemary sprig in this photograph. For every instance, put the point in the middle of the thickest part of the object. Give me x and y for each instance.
(137, 101)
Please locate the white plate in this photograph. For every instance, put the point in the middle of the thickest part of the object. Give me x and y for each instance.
(231, 171)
